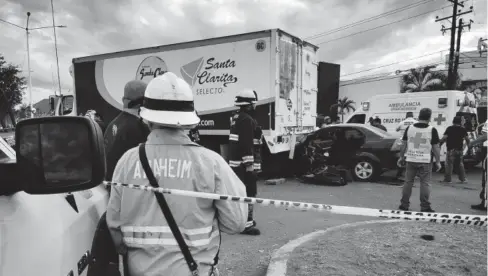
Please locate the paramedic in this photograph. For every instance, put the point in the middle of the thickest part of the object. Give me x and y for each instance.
(126, 130)
(244, 149)
(134, 217)
(409, 120)
(420, 140)
(454, 136)
(483, 194)
(402, 126)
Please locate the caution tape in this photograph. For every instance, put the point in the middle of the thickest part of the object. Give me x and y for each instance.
(335, 209)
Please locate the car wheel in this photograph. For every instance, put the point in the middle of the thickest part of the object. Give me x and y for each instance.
(365, 170)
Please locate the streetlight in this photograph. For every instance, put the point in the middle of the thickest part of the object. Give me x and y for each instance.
(28, 53)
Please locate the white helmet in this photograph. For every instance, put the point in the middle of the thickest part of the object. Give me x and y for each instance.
(246, 97)
(168, 101)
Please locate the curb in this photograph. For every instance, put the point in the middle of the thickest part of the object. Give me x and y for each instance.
(278, 263)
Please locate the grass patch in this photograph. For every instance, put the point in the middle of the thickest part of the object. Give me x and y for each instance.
(394, 249)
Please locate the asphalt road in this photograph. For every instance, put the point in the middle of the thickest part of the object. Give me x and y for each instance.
(250, 255)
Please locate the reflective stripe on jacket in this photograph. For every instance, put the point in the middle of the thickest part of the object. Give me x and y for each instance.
(136, 221)
(419, 147)
(245, 141)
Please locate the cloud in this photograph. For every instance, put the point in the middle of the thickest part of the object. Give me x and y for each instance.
(96, 27)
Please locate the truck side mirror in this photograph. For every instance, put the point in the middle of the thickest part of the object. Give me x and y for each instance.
(59, 154)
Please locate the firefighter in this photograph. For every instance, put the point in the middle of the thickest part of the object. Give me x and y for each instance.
(127, 129)
(482, 139)
(194, 134)
(136, 222)
(245, 141)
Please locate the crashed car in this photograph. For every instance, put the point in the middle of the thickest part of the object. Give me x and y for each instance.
(366, 151)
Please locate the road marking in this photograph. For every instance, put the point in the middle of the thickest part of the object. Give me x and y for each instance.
(279, 259)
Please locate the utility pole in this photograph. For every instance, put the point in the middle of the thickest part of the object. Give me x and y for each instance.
(453, 18)
(27, 31)
(458, 49)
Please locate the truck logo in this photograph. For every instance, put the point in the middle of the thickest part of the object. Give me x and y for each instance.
(190, 71)
(215, 72)
(150, 68)
(260, 45)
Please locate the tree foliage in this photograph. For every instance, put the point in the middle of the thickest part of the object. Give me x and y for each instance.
(12, 85)
(343, 106)
(425, 79)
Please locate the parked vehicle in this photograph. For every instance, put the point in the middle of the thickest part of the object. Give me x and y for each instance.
(280, 67)
(365, 150)
(49, 212)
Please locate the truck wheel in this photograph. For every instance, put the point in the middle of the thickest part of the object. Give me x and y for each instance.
(365, 170)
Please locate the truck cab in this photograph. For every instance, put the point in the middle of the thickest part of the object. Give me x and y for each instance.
(48, 217)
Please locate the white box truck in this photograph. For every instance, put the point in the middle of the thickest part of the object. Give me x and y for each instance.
(280, 67)
(445, 105)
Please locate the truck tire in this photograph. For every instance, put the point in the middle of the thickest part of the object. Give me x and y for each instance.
(365, 170)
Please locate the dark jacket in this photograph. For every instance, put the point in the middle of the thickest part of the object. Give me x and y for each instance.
(245, 141)
(126, 131)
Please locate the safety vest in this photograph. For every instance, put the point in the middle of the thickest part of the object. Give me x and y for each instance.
(245, 141)
(419, 145)
(136, 221)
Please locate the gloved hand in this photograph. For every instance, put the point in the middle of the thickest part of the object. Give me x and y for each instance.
(250, 168)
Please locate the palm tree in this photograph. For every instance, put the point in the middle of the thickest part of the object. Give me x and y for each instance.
(425, 79)
(342, 106)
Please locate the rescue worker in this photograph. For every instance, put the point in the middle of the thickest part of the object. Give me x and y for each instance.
(327, 121)
(420, 141)
(194, 134)
(134, 217)
(402, 126)
(409, 120)
(244, 149)
(483, 193)
(127, 129)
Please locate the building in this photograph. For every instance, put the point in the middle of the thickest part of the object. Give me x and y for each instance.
(472, 67)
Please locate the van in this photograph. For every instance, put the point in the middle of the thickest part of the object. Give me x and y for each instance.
(445, 105)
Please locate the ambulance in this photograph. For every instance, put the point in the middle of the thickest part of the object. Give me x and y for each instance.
(445, 105)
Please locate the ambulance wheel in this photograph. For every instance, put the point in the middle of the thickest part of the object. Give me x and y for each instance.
(365, 170)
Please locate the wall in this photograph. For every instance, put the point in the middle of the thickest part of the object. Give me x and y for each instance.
(362, 90)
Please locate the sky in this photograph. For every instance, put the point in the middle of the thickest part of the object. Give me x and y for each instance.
(96, 27)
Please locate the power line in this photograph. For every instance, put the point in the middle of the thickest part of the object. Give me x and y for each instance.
(398, 62)
(4, 21)
(381, 26)
(374, 79)
(369, 19)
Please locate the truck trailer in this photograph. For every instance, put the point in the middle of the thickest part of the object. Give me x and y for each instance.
(280, 67)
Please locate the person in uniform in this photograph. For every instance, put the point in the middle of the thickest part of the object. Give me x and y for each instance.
(135, 220)
(244, 149)
(402, 126)
(420, 140)
(127, 129)
(483, 193)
